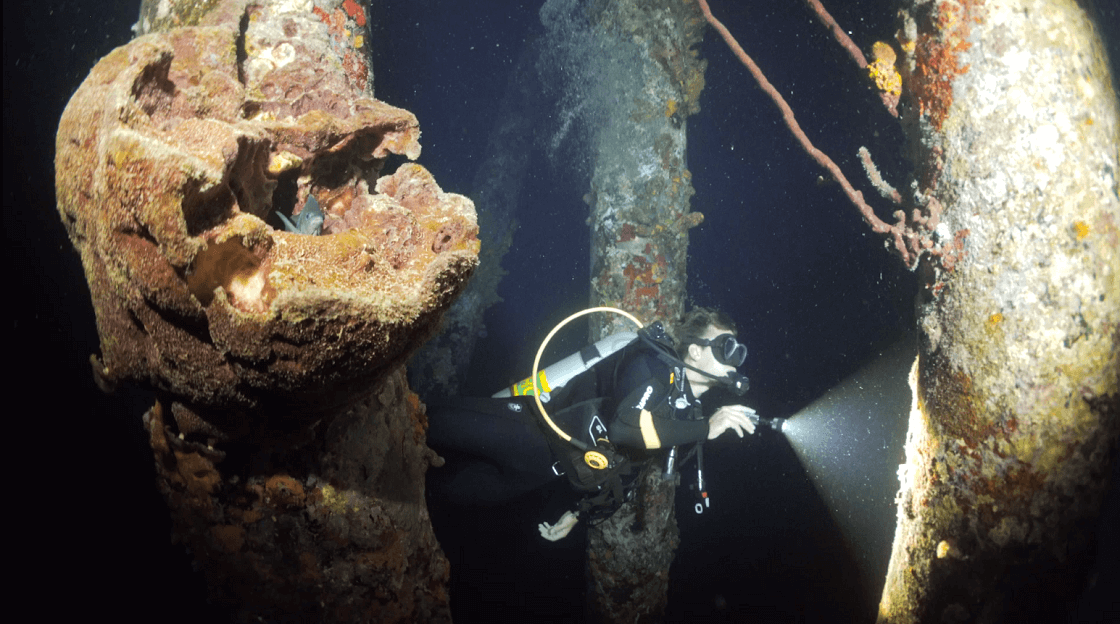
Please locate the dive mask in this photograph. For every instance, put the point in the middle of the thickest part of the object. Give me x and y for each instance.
(726, 349)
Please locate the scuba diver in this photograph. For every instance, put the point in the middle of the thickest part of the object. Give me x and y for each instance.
(612, 407)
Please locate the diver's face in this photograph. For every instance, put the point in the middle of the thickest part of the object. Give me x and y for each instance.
(704, 359)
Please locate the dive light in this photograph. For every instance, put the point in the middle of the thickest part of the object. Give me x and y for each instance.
(777, 424)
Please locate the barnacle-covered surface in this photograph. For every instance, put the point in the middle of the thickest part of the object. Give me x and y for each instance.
(1017, 384)
(628, 554)
(168, 170)
(287, 444)
(337, 531)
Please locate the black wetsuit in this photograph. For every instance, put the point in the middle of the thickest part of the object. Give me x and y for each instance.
(658, 409)
(500, 448)
(495, 449)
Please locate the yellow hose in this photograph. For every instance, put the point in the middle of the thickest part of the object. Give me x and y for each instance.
(540, 352)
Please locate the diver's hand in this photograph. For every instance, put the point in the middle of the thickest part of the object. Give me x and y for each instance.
(560, 530)
(735, 417)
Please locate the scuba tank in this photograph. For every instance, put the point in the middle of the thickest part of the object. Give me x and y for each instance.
(557, 375)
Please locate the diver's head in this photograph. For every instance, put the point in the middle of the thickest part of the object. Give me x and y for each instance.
(707, 341)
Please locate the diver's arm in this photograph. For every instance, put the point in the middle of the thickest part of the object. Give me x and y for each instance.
(644, 420)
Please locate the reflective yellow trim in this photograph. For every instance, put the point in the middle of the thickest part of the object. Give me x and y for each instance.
(649, 434)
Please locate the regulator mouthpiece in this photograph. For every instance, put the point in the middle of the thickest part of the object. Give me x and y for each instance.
(738, 384)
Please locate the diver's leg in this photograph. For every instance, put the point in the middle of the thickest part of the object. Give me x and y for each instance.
(503, 431)
(496, 450)
(465, 480)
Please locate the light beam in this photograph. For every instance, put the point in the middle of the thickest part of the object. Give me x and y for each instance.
(850, 442)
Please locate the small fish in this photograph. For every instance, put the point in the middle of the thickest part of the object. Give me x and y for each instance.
(310, 219)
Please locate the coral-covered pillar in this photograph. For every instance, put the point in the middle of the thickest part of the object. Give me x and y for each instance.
(1014, 122)
(286, 441)
(641, 186)
(640, 219)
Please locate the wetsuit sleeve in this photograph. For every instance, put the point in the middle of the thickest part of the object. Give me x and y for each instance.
(644, 419)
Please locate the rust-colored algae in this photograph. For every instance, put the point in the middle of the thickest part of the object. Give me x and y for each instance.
(942, 38)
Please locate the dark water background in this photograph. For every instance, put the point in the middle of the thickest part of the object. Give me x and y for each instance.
(813, 291)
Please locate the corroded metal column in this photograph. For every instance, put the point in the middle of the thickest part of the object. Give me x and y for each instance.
(640, 218)
(641, 185)
(286, 441)
(1015, 125)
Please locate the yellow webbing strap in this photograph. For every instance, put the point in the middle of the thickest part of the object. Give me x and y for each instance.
(649, 433)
